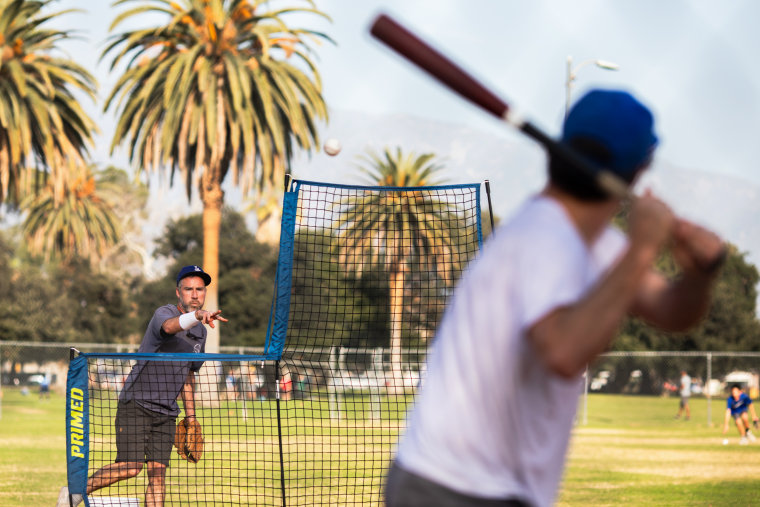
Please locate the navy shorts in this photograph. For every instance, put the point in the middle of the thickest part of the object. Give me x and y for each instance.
(143, 435)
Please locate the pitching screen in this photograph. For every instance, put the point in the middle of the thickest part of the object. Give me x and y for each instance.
(363, 277)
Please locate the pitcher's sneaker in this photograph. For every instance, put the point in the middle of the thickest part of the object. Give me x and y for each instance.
(743, 441)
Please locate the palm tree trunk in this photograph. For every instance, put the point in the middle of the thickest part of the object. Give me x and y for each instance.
(397, 308)
(213, 197)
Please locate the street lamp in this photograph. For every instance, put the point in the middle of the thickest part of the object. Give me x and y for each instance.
(573, 72)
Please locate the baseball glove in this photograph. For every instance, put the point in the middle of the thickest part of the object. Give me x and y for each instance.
(189, 440)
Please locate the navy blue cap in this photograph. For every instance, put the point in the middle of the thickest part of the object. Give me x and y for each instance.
(619, 122)
(193, 271)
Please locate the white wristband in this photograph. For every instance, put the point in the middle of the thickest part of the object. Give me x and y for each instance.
(187, 320)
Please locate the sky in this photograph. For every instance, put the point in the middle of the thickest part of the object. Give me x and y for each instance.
(693, 62)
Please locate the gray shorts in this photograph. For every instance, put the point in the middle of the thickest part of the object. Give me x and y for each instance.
(143, 435)
(406, 489)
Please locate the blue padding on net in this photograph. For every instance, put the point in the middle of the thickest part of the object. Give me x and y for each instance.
(278, 317)
(77, 425)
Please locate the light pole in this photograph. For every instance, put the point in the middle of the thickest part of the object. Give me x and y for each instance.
(573, 72)
(569, 78)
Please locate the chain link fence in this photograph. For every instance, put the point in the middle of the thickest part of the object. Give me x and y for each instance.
(659, 373)
(35, 367)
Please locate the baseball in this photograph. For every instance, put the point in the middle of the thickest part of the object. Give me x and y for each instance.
(332, 146)
(725, 441)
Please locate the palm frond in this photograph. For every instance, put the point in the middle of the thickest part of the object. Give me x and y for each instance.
(41, 122)
(212, 64)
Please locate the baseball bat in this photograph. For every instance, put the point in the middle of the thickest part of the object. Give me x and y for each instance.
(421, 54)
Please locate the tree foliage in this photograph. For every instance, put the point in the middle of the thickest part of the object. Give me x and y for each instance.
(223, 86)
(42, 123)
(127, 197)
(79, 224)
(63, 303)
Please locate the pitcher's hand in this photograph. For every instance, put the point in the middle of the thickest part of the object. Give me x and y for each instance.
(207, 317)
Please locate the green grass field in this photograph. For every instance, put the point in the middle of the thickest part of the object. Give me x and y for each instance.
(632, 452)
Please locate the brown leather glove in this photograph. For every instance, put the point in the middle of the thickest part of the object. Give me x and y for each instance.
(189, 440)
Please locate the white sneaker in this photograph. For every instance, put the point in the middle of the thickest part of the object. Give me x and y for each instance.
(743, 441)
(751, 437)
(63, 498)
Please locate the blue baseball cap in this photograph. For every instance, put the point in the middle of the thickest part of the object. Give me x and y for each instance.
(193, 271)
(619, 122)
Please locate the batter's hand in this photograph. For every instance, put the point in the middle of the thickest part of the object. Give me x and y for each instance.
(207, 317)
(696, 249)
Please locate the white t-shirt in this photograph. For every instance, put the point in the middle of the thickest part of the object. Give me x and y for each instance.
(491, 421)
(685, 386)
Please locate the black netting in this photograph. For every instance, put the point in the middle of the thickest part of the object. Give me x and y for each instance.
(236, 408)
(372, 272)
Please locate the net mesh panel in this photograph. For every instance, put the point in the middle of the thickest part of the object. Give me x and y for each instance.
(240, 464)
(325, 429)
(371, 275)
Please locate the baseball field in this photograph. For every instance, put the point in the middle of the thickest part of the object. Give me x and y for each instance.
(631, 452)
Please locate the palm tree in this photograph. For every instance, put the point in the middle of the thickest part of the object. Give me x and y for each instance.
(81, 224)
(42, 125)
(222, 87)
(398, 231)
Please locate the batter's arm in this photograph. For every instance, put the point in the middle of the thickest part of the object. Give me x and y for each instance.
(680, 304)
(570, 337)
(673, 305)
